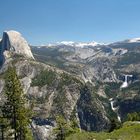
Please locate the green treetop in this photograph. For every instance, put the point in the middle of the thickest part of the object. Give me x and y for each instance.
(15, 107)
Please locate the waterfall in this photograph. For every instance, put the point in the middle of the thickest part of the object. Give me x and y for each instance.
(126, 78)
(115, 109)
(112, 107)
(125, 83)
(119, 118)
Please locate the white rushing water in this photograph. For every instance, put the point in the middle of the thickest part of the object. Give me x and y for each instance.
(125, 83)
(115, 109)
(112, 107)
(119, 118)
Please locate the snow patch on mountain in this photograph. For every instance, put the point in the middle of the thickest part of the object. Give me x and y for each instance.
(71, 43)
(76, 44)
(134, 40)
(82, 45)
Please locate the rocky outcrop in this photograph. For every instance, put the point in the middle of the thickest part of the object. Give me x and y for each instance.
(128, 106)
(51, 98)
(13, 43)
(100, 69)
(91, 111)
(57, 92)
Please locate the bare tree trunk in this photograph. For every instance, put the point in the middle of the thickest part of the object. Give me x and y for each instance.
(15, 134)
(2, 133)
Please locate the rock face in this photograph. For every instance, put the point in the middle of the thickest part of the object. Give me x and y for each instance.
(81, 90)
(13, 43)
(91, 112)
(104, 66)
(91, 63)
(129, 106)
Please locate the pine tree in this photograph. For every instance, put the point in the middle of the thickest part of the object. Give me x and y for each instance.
(2, 126)
(115, 124)
(135, 116)
(14, 109)
(64, 128)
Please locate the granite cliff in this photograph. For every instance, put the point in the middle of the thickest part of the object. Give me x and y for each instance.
(64, 80)
(13, 43)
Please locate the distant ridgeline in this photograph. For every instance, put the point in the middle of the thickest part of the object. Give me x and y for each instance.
(75, 86)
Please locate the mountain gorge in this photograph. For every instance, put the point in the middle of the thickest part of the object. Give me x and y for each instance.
(104, 66)
(87, 82)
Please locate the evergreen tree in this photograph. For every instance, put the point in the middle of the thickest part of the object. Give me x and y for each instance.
(61, 128)
(14, 109)
(64, 128)
(115, 124)
(3, 127)
(135, 116)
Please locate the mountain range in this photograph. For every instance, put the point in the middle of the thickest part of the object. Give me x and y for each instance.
(89, 82)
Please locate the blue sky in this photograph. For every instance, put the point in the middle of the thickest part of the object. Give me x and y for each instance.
(44, 21)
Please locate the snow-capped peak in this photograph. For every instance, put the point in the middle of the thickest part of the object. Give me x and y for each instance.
(87, 44)
(71, 43)
(134, 40)
(78, 44)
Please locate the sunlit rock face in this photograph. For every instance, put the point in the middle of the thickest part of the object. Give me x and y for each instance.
(92, 99)
(13, 43)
